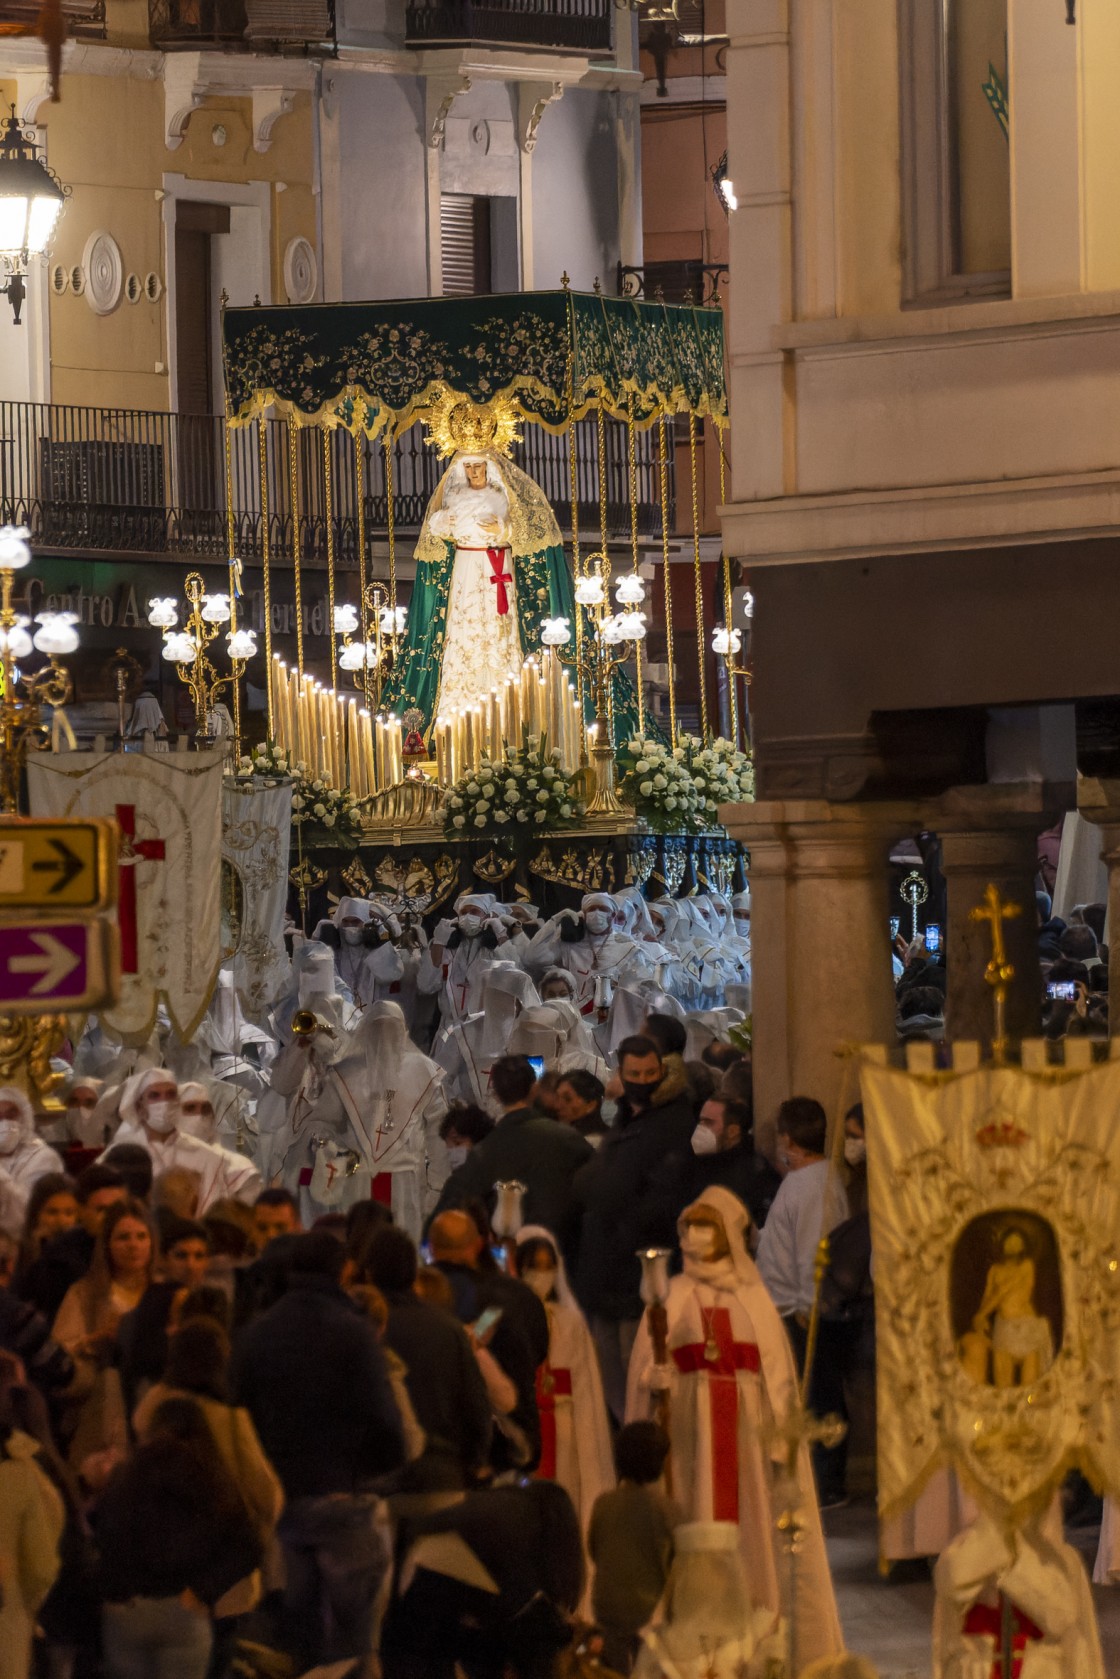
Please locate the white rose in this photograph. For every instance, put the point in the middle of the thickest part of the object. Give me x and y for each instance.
(511, 786)
(513, 798)
(670, 803)
(645, 788)
(542, 797)
(480, 821)
(501, 816)
(540, 816)
(329, 821)
(458, 821)
(642, 766)
(565, 810)
(473, 788)
(523, 816)
(320, 809)
(660, 782)
(456, 803)
(482, 805)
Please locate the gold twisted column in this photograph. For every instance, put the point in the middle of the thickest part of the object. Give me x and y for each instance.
(728, 603)
(632, 466)
(328, 508)
(266, 569)
(234, 569)
(663, 433)
(297, 557)
(701, 649)
(391, 533)
(573, 478)
(363, 603)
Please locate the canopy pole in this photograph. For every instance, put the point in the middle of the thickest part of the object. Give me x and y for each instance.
(363, 603)
(234, 576)
(701, 649)
(573, 480)
(266, 569)
(728, 603)
(632, 464)
(605, 569)
(328, 508)
(297, 565)
(663, 433)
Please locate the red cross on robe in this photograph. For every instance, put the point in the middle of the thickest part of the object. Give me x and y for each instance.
(721, 1358)
(500, 578)
(552, 1384)
(985, 1620)
(133, 851)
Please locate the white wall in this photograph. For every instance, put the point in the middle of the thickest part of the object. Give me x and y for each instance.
(374, 186)
(576, 209)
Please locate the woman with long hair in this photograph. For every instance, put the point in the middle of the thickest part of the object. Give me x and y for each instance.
(52, 1207)
(86, 1326)
(174, 1536)
(32, 1516)
(197, 1369)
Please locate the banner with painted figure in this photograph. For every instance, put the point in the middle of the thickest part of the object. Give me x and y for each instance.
(995, 1224)
(168, 809)
(256, 830)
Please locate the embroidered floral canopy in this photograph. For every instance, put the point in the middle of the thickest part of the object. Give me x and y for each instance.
(374, 367)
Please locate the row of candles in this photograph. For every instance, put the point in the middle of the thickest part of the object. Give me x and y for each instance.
(541, 700)
(334, 736)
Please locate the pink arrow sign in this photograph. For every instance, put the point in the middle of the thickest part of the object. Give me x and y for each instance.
(50, 966)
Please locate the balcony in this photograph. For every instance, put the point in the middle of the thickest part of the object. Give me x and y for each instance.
(564, 25)
(684, 280)
(257, 25)
(85, 19)
(107, 481)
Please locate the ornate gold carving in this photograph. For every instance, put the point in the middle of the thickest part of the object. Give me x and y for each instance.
(27, 1042)
(354, 877)
(639, 866)
(414, 883)
(590, 871)
(493, 868)
(410, 804)
(307, 875)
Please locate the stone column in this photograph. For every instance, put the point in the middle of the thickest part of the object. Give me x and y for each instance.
(820, 941)
(989, 835)
(1099, 803)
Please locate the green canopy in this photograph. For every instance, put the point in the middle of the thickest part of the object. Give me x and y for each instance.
(374, 367)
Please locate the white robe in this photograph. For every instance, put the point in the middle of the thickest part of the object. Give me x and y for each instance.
(1044, 1579)
(941, 1510)
(482, 646)
(31, 1159)
(223, 1175)
(702, 1407)
(598, 963)
(575, 1433)
(460, 978)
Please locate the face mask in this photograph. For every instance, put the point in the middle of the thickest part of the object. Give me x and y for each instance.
(542, 1283)
(470, 926)
(608, 1110)
(704, 1140)
(855, 1151)
(162, 1116)
(597, 921)
(9, 1135)
(196, 1125)
(698, 1242)
(457, 1155)
(352, 935)
(638, 1095)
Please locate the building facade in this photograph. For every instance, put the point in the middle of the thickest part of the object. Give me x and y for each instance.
(924, 347)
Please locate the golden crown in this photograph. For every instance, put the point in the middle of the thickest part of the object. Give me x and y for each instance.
(456, 425)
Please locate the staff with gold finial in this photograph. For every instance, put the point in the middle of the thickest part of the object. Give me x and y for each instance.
(999, 972)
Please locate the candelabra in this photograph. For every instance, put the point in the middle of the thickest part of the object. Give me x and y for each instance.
(614, 637)
(188, 649)
(371, 660)
(22, 697)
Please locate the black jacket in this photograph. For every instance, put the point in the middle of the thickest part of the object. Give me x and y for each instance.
(624, 1204)
(520, 1341)
(314, 1379)
(26, 1333)
(527, 1148)
(62, 1261)
(443, 1380)
(683, 1177)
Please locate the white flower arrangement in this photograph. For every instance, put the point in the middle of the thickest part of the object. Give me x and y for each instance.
(679, 789)
(528, 790)
(315, 803)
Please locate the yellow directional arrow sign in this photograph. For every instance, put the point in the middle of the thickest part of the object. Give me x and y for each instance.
(57, 865)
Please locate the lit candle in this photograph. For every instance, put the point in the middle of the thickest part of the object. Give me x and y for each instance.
(513, 713)
(368, 774)
(396, 752)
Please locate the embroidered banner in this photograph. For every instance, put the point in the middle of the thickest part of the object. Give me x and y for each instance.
(168, 808)
(256, 826)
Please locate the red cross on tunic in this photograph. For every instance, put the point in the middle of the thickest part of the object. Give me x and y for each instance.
(721, 1358)
(986, 1621)
(552, 1384)
(133, 851)
(500, 578)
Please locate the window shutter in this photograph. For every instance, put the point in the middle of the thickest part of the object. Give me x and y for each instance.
(464, 244)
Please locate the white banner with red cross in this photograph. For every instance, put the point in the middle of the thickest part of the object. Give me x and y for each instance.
(168, 808)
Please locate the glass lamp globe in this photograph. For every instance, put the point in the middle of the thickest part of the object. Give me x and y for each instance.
(15, 547)
(241, 644)
(345, 619)
(353, 657)
(30, 197)
(555, 632)
(57, 634)
(215, 609)
(15, 641)
(179, 648)
(163, 613)
(589, 590)
(630, 591)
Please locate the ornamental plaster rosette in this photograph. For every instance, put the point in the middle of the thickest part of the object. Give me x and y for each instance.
(301, 271)
(103, 266)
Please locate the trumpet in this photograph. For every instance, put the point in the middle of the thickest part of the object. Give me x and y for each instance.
(305, 1022)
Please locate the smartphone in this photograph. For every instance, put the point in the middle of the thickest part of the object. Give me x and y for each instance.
(537, 1064)
(1062, 990)
(485, 1325)
(933, 938)
(426, 1253)
(895, 924)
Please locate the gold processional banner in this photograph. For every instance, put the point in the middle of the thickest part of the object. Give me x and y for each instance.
(995, 1225)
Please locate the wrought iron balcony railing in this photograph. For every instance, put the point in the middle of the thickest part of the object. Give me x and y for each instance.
(686, 280)
(103, 481)
(280, 25)
(574, 25)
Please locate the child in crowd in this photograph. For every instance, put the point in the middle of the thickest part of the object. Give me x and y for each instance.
(630, 1542)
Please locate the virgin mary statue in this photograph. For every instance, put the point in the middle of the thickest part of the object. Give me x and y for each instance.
(490, 566)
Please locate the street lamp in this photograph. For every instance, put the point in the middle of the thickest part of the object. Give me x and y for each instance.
(22, 697)
(187, 648)
(31, 198)
(371, 660)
